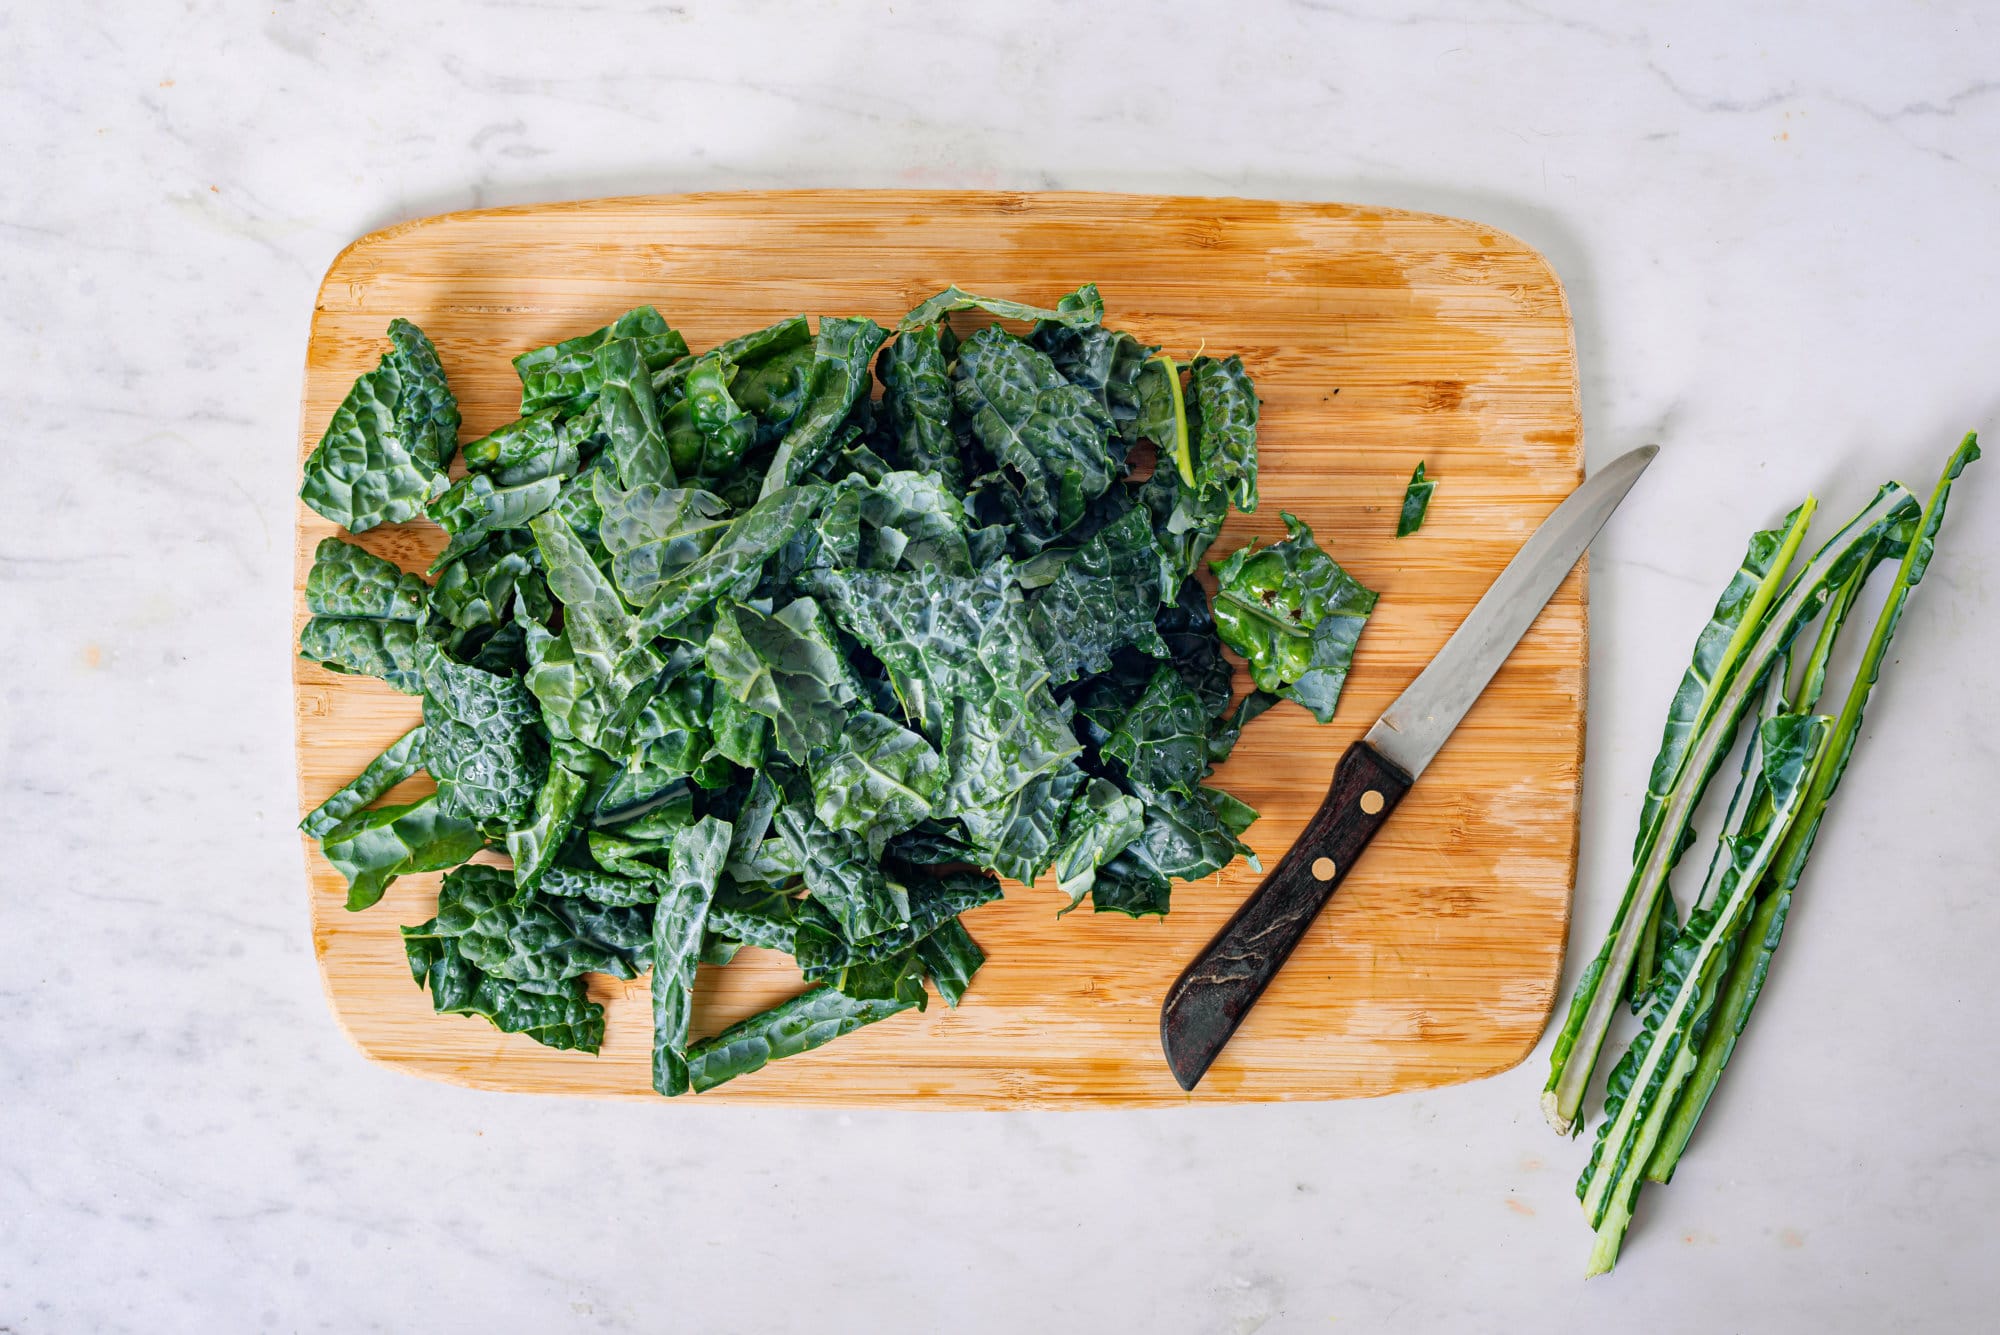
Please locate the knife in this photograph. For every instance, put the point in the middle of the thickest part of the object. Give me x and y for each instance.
(1209, 1000)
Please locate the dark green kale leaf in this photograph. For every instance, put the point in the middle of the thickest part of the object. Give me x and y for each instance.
(968, 670)
(654, 532)
(1185, 521)
(738, 733)
(1161, 744)
(1416, 500)
(594, 677)
(732, 567)
(1109, 363)
(629, 415)
(568, 372)
(1102, 598)
(559, 1017)
(534, 845)
(349, 581)
(822, 951)
(480, 740)
(365, 613)
(930, 844)
(1081, 307)
(1187, 628)
(810, 1020)
(1222, 418)
(899, 978)
(384, 772)
(879, 778)
(521, 941)
(1190, 839)
(385, 451)
(906, 521)
(1099, 825)
(1159, 414)
(625, 930)
(1053, 441)
(944, 637)
(1127, 886)
(843, 875)
(474, 595)
(576, 505)
(764, 918)
(1295, 615)
(540, 445)
(950, 957)
(916, 402)
(839, 378)
(776, 388)
(688, 886)
(770, 864)
(787, 668)
(1016, 834)
(476, 507)
(707, 432)
(567, 882)
(372, 848)
(751, 354)
(758, 799)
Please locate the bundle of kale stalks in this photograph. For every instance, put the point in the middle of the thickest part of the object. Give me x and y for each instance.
(725, 650)
(1757, 671)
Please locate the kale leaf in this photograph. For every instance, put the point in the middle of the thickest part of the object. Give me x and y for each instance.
(878, 778)
(520, 940)
(1295, 615)
(1416, 500)
(1222, 419)
(372, 848)
(1081, 307)
(1053, 440)
(1161, 743)
(384, 453)
(560, 1016)
(687, 887)
(365, 614)
(384, 772)
(480, 740)
(916, 400)
(569, 372)
(810, 1020)
(1105, 596)
(839, 378)
(786, 668)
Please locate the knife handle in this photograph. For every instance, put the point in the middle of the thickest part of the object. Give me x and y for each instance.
(1212, 996)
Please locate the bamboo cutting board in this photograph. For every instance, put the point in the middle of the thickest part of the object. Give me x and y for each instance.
(1376, 338)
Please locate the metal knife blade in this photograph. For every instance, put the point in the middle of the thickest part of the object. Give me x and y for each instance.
(1211, 997)
(1412, 729)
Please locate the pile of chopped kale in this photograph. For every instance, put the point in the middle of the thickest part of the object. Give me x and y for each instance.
(727, 650)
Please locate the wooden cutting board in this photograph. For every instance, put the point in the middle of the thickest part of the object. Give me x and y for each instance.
(1376, 338)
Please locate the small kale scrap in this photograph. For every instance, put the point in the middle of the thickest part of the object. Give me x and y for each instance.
(725, 652)
(1416, 500)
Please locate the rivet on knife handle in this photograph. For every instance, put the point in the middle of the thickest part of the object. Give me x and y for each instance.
(1210, 999)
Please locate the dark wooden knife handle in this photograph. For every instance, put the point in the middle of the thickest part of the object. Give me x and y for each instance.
(1210, 999)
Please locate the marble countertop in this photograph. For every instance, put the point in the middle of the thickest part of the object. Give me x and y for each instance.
(1775, 223)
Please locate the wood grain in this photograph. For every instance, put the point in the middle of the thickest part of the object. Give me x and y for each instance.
(1376, 338)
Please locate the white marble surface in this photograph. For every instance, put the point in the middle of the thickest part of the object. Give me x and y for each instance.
(1776, 225)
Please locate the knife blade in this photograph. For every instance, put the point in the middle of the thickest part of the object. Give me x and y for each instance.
(1210, 998)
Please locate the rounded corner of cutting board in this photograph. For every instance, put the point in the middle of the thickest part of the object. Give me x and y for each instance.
(1489, 381)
